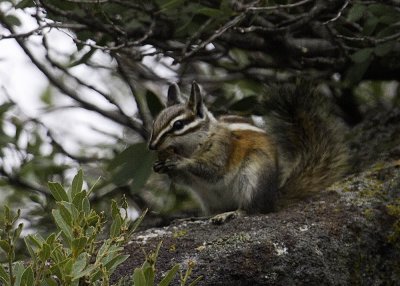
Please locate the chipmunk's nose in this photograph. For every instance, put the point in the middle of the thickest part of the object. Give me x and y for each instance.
(152, 144)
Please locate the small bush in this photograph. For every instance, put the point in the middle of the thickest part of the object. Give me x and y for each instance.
(80, 253)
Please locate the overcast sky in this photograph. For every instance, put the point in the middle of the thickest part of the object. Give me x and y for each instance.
(25, 84)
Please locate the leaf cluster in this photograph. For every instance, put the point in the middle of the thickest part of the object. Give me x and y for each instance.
(79, 253)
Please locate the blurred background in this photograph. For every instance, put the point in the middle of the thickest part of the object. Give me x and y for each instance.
(81, 81)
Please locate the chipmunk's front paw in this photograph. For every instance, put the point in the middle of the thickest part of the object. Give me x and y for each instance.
(225, 217)
(167, 165)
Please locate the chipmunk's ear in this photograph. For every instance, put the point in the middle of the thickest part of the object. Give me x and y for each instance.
(195, 102)
(174, 95)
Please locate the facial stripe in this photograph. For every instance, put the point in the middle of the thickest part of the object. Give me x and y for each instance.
(169, 127)
(192, 125)
(244, 126)
(166, 129)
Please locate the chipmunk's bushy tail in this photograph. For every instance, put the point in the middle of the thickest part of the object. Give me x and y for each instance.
(310, 141)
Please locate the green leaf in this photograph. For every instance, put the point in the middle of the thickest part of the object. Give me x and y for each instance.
(169, 276)
(37, 239)
(134, 162)
(149, 274)
(102, 250)
(5, 246)
(79, 266)
(356, 72)
(5, 107)
(356, 12)
(17, 232)
(19, 270)
(370, 25)
(154, 103)
(115, 229)
(87, 271)
(140, 175)
(389, 19)
(362, 55)
(83, 59)
(51, 239)
(77, 200)
(24, 4)
(195, 281)
(47, 96)
(58, 192)
(67, 266)
(138, 277)
(12, 20)
(382, 50)
(27, 277)
(50, 282)
(28, 244)
(78, 245)
(93, 186)
(86, 205)
(246, 104)
(65, 212)
(210, 12)
(4, 275)
(169, 5)
(113, 263)
(62, 225)
(77, 183)
(138, 221)
(115, 209)
(45, 252)
(380, 9)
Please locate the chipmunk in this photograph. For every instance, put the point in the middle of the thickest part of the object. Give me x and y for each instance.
(231, 164)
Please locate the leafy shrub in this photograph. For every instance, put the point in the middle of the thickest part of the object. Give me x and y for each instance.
(78, 254)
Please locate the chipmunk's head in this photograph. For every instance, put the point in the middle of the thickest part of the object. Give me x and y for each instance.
(182, 125)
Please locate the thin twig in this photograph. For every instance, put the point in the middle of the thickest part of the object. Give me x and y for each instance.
(277, 7)
(79, 159)
(81, 82)
(339, 13)
(117, 47)
(371, 40)
(217, 34)
(39, 30)
(125, 69)
(196, 35)
(18, 182)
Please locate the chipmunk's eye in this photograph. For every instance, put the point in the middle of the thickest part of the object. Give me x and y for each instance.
(178, 125)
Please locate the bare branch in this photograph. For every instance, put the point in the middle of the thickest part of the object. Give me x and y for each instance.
(370, 40)
(339, 13)
(39, 30)
(73, 94)
(20, 183)
(106, 96)
(277, 7)
(217, 33)
(77, 158)
(126, 67)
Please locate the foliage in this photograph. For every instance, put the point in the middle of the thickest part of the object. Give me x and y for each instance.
(232, 48)
(78, 253)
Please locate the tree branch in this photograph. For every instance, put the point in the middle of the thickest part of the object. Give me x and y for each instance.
(72, 93)
(126, 68)
(20, 183)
